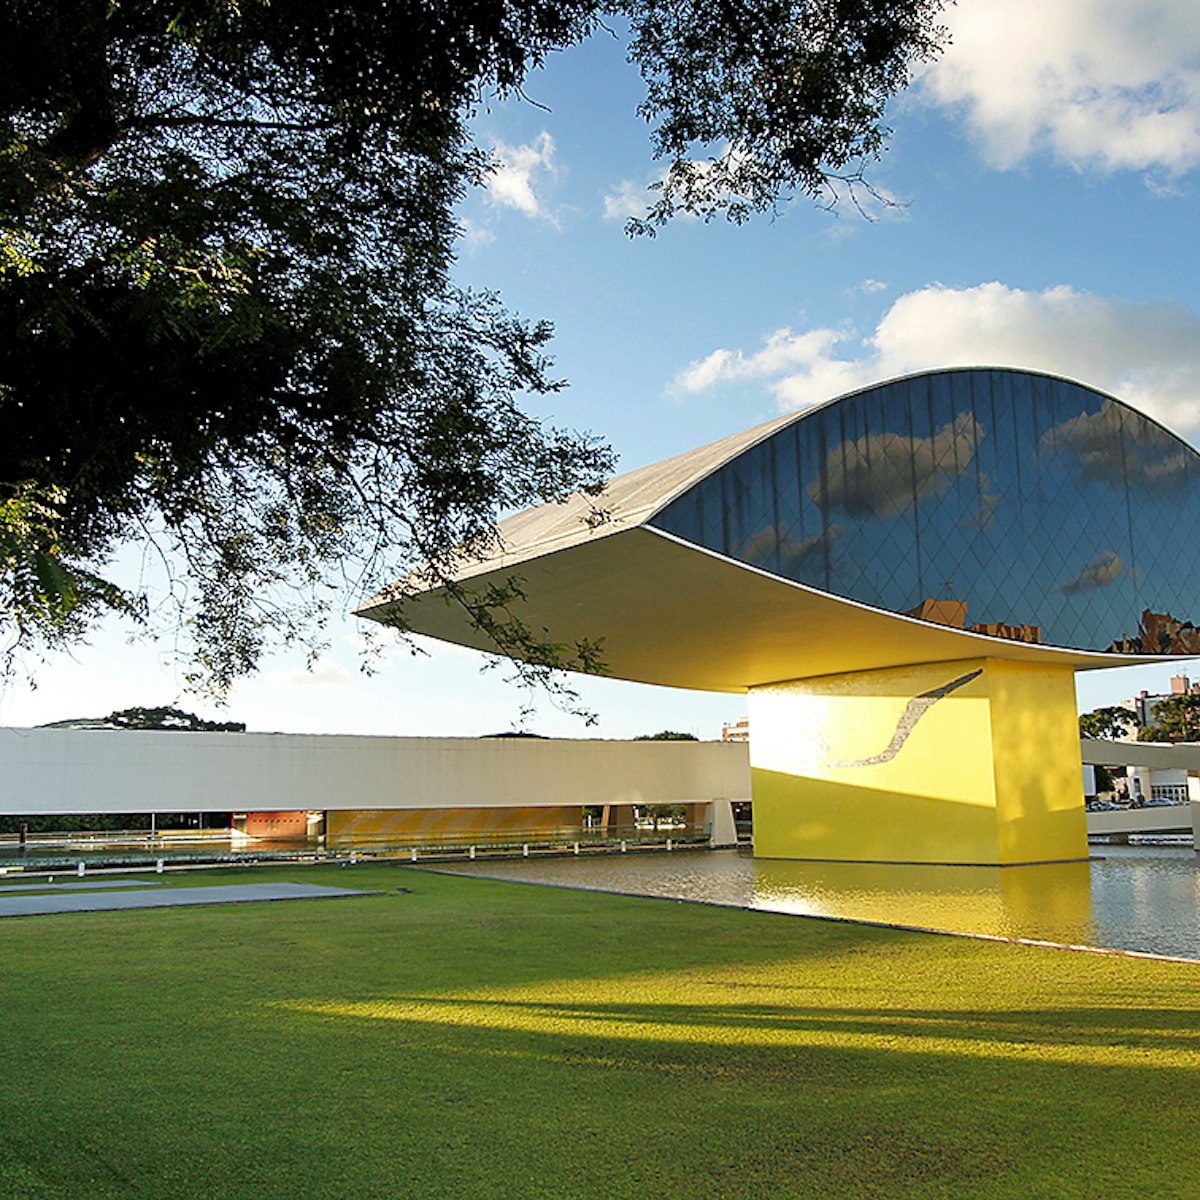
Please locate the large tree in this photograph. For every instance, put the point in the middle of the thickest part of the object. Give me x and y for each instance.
(1175, 719)
(1108, 724)
(227, 313)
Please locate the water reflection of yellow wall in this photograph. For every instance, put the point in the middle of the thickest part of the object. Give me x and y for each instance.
(1050, 900)
(967, 762)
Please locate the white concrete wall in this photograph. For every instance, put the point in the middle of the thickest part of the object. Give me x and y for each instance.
(1174, 818)
(1146, 754)
(93, 770)
(1169, 777)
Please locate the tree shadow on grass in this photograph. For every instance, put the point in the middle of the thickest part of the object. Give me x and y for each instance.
(1154, 1029)
(813, 1100)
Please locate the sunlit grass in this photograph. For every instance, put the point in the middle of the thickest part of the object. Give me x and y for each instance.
(474, 1039)
(735, 1025)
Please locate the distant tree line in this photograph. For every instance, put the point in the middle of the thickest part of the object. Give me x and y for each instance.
(171, 718)
(108, 822)
(163, 717)
(1176, 719)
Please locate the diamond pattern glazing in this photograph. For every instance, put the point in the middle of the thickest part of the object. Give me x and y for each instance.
(1033, 500)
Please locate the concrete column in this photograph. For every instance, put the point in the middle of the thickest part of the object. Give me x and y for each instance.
(1139, 784)
(954, 762)
(723, 831)
(618, 820)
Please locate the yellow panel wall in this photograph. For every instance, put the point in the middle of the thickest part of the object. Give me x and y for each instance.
(1035, 747)
(960, 762)
(393, 824)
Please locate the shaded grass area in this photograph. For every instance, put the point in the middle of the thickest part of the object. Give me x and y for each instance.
(477, 1039)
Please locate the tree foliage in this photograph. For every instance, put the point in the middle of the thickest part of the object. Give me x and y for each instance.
(229, 322)
(136, 822)
(747, 101)
(70, 822)
(1176, 719)
(666, 735)
(1107, 724)
(171, 718)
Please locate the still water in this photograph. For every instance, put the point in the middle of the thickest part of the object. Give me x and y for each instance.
(1139, 898)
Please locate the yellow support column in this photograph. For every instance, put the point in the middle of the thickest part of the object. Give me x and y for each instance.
(955, 762)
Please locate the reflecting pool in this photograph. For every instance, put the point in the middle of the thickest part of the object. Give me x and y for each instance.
(1139, 898)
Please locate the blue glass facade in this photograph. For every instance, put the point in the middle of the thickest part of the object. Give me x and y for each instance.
(1033, 501)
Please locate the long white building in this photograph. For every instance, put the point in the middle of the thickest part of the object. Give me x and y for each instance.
(372, 786)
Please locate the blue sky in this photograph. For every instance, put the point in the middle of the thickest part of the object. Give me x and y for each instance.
(1044, 179)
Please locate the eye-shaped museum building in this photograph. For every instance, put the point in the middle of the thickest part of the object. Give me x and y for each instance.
(905, 580)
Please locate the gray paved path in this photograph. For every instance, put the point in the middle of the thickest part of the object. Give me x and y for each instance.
(65, 902)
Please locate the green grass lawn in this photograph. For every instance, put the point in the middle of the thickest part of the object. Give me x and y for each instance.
(479, 1039)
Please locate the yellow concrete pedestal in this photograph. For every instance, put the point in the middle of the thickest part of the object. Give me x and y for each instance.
(955, 762)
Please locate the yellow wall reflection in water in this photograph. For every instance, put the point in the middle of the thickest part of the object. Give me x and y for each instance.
(1052, 900)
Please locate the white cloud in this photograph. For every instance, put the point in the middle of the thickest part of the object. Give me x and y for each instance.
(629, 200)
(517, 170)
(1145, 353)
(1099, 83)
(475, 236)
(782, 350)
(1092, 440)
(776, 540)
(885, 473)
(1099, 573)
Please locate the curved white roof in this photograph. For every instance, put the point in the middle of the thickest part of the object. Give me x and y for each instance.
(667, 610)
(627, 501)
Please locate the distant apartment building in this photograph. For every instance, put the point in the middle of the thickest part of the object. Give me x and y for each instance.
(736, 731)
(1144, 704)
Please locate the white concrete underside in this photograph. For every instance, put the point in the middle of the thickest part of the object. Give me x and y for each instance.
(667, 612)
